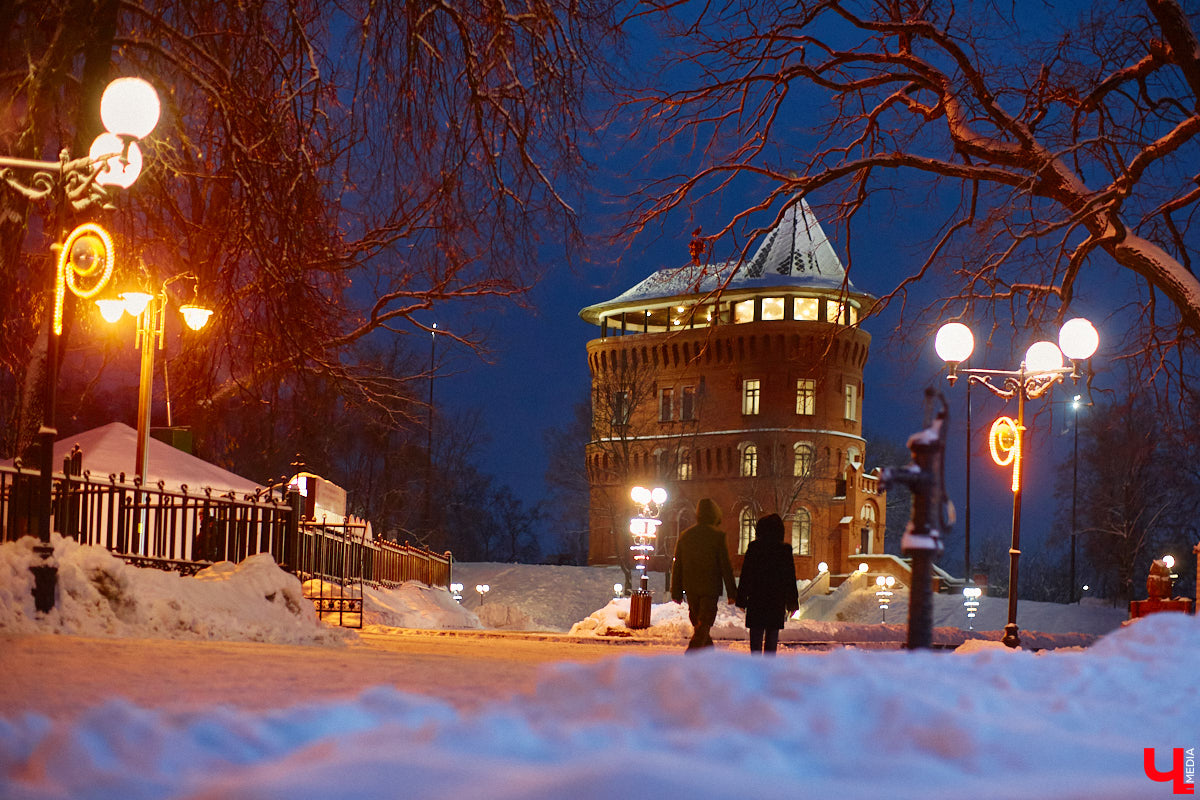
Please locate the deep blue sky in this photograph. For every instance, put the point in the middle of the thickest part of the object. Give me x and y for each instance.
(540, 372)
(540, 369)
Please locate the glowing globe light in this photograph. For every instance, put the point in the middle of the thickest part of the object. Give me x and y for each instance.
(1078, 339)
(122, 167)
(822, 567)
(659, 495)
(110, 308)
(130, 107)
(954, 342)
(640, 495)
(136, 302)
(195, 317)
(1043, 357)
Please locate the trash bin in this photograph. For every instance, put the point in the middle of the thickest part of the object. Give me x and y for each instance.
(639, 606)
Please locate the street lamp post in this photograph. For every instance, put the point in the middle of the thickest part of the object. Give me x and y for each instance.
(644, 530)
(1074, 489)
(129, 110)
(1041, 369)
(150, 312)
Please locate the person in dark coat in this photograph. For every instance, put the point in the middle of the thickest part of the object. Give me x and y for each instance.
(701, 566)
(767, 589)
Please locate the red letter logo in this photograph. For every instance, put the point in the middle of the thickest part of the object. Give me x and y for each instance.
(1176, 775)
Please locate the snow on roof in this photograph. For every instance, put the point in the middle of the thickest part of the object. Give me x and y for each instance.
(795, 254)
(111, 450)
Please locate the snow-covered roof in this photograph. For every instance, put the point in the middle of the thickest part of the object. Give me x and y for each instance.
(795, 255)
(111, 450)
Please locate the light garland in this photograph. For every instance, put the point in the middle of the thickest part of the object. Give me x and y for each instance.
(67, 269)
(1004, 442)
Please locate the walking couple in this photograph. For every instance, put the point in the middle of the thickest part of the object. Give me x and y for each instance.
(768, 583)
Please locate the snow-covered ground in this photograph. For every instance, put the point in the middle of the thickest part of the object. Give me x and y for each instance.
(982, 721)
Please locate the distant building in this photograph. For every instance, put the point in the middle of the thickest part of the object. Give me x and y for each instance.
(753, 397)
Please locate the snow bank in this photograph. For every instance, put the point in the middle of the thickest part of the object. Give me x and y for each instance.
(412, 604)
(536, 597)
(100, 595)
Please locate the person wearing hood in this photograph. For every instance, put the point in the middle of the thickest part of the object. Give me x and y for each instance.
(767, 589)
(701, 566)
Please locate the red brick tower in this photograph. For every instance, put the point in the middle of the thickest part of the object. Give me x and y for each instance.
(752, 396)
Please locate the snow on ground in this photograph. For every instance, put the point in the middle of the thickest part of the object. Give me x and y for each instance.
(981, 722)
(100, 595)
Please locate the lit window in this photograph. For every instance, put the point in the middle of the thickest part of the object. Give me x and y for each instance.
(749, 461)
(743, 311)
(772, 308)
(802, 533)
(806, 396)
(687, 404)
(804, 460)
(851, 401)
(750, 392)
(666, 403)
(806, 308)
(745, 529)
(685, 465)
(844, 313)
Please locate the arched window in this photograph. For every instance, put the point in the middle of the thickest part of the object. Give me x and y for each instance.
(745, 529)
(803, 466)
(685, 465)
(749, 460)
(802, 533)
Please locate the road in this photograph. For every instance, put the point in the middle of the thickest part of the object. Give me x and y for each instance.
(57, 676)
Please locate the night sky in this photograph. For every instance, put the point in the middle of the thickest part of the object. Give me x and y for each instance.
(540, 367)
(540, 373)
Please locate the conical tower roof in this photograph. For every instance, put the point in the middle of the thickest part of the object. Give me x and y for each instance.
(795, 255)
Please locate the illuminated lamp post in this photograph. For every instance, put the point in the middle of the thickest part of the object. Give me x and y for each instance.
(643, 528)
(129, 110)
(1041, 369)
(971, 595)
(883, 593)
(150, 312)
(482, 589)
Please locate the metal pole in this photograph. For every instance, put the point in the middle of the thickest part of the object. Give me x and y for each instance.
(45, 574)
(429, 444)
(1074, 494)
(1012, 637)
(146, 342)
(967, 575)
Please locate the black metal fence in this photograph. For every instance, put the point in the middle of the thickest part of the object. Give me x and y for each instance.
(185, 530)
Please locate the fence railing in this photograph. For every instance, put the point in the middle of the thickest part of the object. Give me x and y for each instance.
(185, 529)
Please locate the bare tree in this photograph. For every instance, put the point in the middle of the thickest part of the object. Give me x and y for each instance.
(784, 478)
(330, 173)
(1052, 144)
(629, 444)
(1130, 495)
(567, 484)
